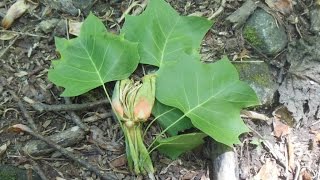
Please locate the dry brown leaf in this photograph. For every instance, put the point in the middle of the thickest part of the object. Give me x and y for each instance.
(268, 171)
(280, 129)
(19, 128)
(14, 12)
(74, 27)
(283, 6)
(119, 161)
(306, 175)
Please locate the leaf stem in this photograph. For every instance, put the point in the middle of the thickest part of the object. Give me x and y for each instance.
(112, 107)
(166, 129)
(156, 118)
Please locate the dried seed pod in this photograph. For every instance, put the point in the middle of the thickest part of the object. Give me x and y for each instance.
(14, 12)
(144, 98)
(118, 97)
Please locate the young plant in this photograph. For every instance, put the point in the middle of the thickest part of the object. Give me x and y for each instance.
(189, 93)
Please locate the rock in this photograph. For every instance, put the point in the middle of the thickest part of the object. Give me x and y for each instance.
(71, 6)
(60, 30)
(48, 25)
(14, 173)
(258, 76)
(262, 32)
(300, 89)
(315, 20)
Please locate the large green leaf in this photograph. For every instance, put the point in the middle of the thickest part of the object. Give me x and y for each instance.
(92, 59)
(170, 115)
(211, 95)
(164, 35)
(176, 145)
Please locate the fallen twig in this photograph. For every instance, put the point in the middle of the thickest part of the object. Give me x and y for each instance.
(63, 107)
(254, 115)
(23, 33)
(63, 151)
(75, 118)
(37, 169)
(24, 111)
(8, 47)
(219, 10)
(97, 117)
(142, 7)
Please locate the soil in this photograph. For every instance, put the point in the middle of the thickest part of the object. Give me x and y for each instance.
(27, 56)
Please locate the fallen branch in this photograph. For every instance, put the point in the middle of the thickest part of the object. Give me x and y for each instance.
(219, 11)
(75, 118)
(97, 117)
(254, 115)
(3, 52)
(63, 107)
(76, 158)
(24, 111)
(65, 138)
(239, 17)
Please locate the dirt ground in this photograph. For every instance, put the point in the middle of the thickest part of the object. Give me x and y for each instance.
(273, 150)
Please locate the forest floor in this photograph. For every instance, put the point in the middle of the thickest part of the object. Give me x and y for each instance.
(273, 150)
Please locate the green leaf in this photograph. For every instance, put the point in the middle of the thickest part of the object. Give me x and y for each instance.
(164, 35)
(169, 115)
(211, 95)
(176, 145)
(92, 59)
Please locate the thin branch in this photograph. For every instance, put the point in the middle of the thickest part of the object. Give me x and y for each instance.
(75, 118)
(24, 111)
(219, 11)
(66, 153)
(63, 107)
(97, 117)
(8, 47)
(37, 169)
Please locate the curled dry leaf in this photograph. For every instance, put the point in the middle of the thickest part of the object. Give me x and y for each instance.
(280, 129)
(119, 161)
(74, 27)
(14, 12)
(268, 171)
(19, 128)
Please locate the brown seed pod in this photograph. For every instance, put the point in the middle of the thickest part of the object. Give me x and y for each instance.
(14, 12)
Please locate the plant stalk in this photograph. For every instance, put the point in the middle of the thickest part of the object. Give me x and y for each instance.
(137, 154)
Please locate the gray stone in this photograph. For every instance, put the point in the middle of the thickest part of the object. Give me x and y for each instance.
(8, 172)
(264, 33)
(259, 77)
(71, 6)
(315, 20)
(47, 25)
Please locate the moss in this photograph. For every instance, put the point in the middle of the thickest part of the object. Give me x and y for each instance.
(7, 175)
(251, 35)
(256, 74)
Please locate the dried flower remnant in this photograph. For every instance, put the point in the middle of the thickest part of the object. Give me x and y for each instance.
(133, 102)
